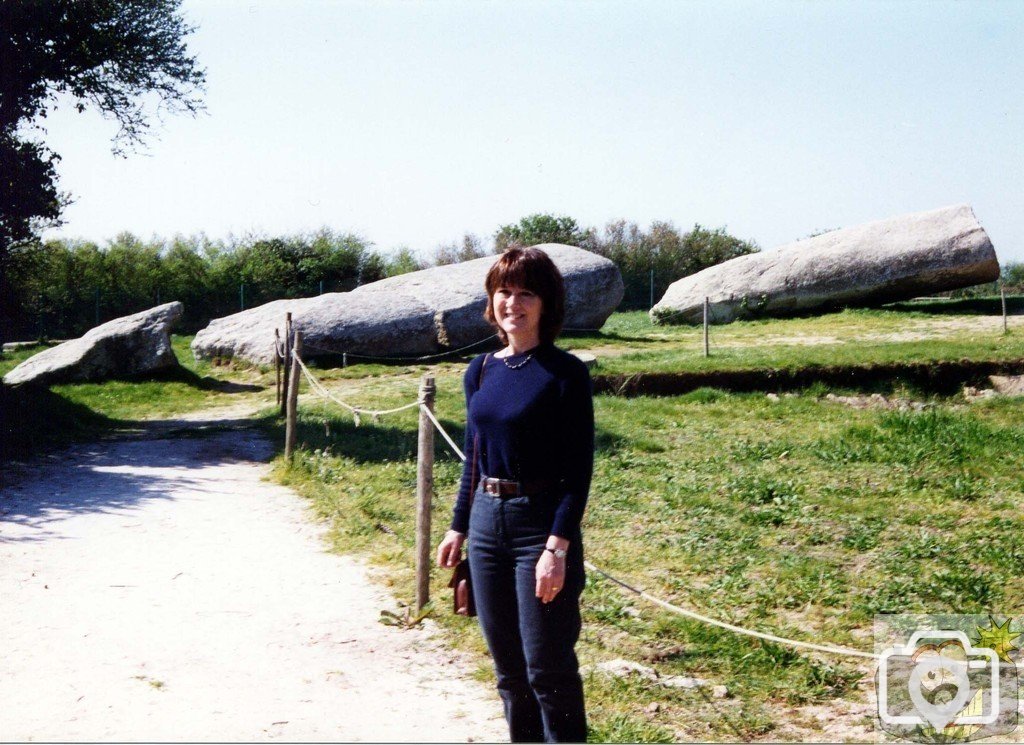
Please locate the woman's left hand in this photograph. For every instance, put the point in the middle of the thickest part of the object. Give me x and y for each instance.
(550, 576)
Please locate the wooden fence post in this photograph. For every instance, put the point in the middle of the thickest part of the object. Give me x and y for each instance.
(706, 313)
(424, 493)
(1002, 297)
(287, 360)
(277, 365)
(293, 399)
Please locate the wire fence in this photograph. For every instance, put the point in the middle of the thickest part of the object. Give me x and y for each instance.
(425, 404)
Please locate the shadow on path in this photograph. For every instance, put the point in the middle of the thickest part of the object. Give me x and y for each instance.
(116, 476)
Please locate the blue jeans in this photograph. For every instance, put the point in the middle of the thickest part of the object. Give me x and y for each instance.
(532, 643)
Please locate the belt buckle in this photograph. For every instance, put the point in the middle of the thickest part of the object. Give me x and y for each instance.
(491, 487)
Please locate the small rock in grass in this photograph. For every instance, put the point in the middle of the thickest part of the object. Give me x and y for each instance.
(974, 394)
(624, 668)
(659, 655)
(772, 396)
(653, 708)
(682, 681)
(720, 691)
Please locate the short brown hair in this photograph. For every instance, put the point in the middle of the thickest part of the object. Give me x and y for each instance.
(530, 269)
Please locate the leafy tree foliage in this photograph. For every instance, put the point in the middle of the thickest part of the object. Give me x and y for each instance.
(67, 287)
(540, 228)
(117, 56)
(1012, 277)
(663, 249)
(471, 247)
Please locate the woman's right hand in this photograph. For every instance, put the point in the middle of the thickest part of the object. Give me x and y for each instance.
(449, 553)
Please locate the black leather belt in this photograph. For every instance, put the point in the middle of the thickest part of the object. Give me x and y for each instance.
(509, 488)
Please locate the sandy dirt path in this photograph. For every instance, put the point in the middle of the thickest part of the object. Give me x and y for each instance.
(160, 589)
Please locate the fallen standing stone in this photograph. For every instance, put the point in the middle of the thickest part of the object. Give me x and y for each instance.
(125, 347)
(420, 313)
(885, 261)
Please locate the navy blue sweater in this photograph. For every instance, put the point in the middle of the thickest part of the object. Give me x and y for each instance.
(535, 424)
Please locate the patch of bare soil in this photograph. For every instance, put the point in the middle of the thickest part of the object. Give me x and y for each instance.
(877, 401)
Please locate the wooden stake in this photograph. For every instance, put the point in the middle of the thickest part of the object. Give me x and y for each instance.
(706, 313)
(424, 493)
(277, 364)
(1002, 297)
(287, 360)
(293, 399)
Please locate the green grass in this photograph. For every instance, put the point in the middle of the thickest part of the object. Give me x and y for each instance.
(51, 417)
(629, 343)
(796, 516)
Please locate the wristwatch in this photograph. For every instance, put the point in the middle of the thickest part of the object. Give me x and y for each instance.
(560, 553)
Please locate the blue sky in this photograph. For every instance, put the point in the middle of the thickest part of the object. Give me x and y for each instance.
(412, 123)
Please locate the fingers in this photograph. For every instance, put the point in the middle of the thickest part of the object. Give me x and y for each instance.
(449, 553)
(550, 578)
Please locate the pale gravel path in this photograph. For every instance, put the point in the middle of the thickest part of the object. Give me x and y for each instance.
(159, 589)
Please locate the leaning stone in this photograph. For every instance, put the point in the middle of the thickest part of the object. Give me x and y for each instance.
(427, 312)
(1008, 385)
(720, 691)
(125, 347)
(879, 262)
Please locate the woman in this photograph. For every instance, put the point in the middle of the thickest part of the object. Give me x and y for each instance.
(530, 440)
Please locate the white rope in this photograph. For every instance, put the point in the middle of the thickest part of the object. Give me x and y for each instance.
(426, 410)
(353, 355)
(737, 629)
(319, 388)
(689, 613)
(829, 649)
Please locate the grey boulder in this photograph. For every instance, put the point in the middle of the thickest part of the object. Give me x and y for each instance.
(878, 262)
(416, 314)
(127, 346)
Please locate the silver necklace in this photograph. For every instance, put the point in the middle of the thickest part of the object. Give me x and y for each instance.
(518, 364)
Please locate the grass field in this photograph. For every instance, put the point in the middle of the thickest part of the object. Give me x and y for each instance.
(791, 514)
(794, 515)
(42, 418)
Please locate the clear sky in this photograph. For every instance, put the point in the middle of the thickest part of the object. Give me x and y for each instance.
(411, 123)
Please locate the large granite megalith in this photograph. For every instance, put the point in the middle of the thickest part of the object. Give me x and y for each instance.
(127, 346)
(884, 261)
(426, 312)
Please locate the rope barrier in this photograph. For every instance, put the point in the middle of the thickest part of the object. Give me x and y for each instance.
(317, 386)
(437, 424)
(689, 613)
(356, 411)
(423, 358)
(731, 627)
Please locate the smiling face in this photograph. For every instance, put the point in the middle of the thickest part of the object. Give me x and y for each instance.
(517, 311)
(525, 295)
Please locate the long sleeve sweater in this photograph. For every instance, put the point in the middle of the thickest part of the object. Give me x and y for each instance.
(534, 423)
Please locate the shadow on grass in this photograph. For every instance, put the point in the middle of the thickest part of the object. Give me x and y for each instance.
(977, 306)
(380, 443)
(944, 377)
(204, 383)
(36, 419)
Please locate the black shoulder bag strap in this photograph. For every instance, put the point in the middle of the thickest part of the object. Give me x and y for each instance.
(476, 441)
